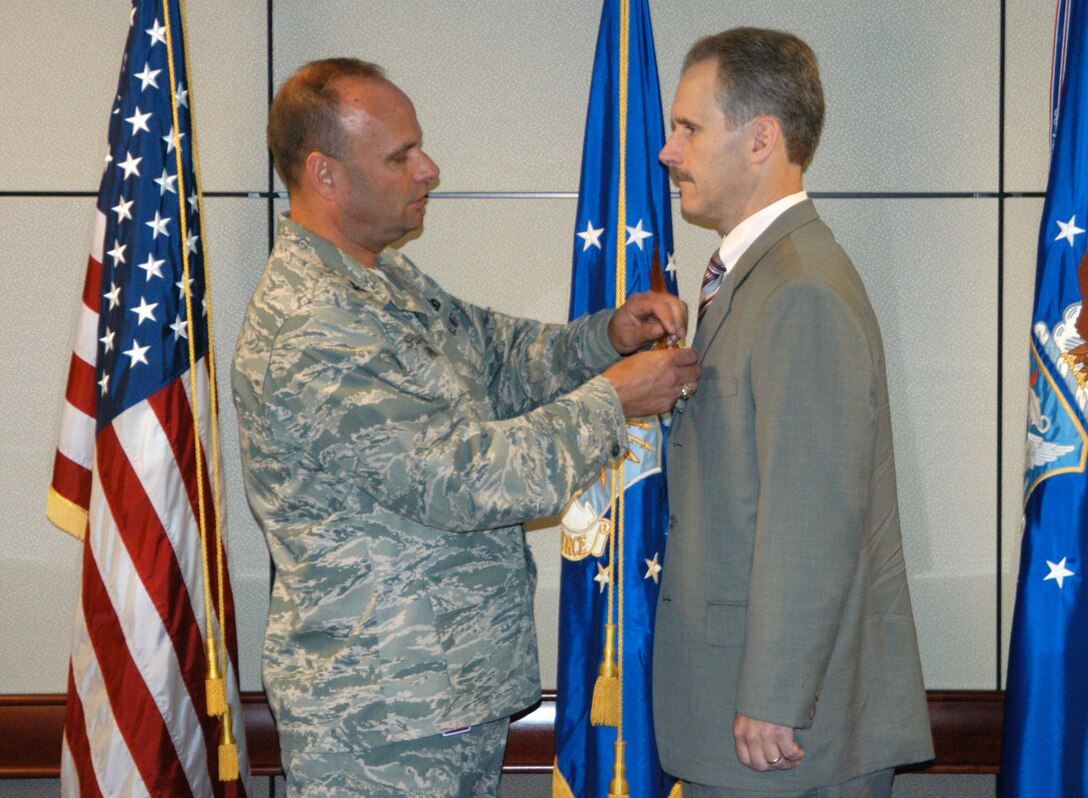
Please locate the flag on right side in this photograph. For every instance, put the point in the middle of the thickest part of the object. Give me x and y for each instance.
(1044, 750)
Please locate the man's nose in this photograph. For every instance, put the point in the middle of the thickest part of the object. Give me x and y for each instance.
(669, 155)
(428, 170)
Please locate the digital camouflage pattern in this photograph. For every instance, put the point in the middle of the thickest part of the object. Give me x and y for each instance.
(458, 766)
(394, 439)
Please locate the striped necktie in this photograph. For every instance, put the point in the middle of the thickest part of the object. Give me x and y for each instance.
(712, 281)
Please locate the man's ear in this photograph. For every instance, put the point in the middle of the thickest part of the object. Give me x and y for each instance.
(320, 174)
(766, 136)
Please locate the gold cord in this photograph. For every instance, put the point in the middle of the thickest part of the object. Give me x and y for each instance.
(216, 655)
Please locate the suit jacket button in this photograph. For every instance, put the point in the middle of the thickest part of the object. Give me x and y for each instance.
(616, 450)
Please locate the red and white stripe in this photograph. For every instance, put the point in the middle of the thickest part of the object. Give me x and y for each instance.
(137, 721)
(74, 457)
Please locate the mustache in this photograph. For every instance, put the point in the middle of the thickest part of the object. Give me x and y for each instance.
(676, 175)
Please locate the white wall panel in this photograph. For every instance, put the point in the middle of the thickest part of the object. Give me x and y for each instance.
(56, 91)
(229, 53)
(1030, 26)
(61, 60)
(1021, 242)
(500, 90)
(912, 87)
(930, 268)
(43, 254)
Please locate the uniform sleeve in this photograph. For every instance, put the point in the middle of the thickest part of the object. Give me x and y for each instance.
(389, 420)
(813, 388)
(531, 362)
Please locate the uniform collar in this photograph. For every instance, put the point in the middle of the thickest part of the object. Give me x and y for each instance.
(387, 281)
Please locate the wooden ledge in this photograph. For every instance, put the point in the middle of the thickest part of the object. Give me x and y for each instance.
(966, 735)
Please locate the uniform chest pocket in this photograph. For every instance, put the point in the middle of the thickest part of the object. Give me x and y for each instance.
(431, 369)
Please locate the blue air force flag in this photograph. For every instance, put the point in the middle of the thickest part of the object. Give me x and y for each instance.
(1044, 750)
(611, 571)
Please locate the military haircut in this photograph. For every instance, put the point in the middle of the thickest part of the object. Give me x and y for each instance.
(767, 72)
(305, 113)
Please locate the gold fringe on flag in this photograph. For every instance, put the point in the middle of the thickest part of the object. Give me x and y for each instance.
(560, 788)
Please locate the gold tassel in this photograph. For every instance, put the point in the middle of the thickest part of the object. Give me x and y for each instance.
(228, 750)
(605, 709)
(560, 788)
(618, 787)
(214, 685)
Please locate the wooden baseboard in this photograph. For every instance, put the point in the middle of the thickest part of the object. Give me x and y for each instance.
(966, 735)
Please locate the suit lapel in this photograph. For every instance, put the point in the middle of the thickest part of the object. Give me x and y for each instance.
(798, 215)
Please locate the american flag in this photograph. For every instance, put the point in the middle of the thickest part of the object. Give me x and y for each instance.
(128, 477)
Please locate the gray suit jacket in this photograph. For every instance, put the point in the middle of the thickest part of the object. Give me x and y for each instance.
(784, 594)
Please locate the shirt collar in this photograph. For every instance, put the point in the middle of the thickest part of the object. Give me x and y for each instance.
(741, 237)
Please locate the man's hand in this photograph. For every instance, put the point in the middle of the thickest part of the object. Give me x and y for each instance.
(649, 383)
(762, 745)
(645, 318)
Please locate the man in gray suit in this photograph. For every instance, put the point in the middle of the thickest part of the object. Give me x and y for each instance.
(786, 661)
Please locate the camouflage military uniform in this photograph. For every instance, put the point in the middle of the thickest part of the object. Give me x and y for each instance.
(464, 765)
(394, 438)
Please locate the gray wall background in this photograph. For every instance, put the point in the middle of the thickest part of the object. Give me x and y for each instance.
(938, 213)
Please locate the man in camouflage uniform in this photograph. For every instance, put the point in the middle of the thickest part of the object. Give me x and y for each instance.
(394, 439)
